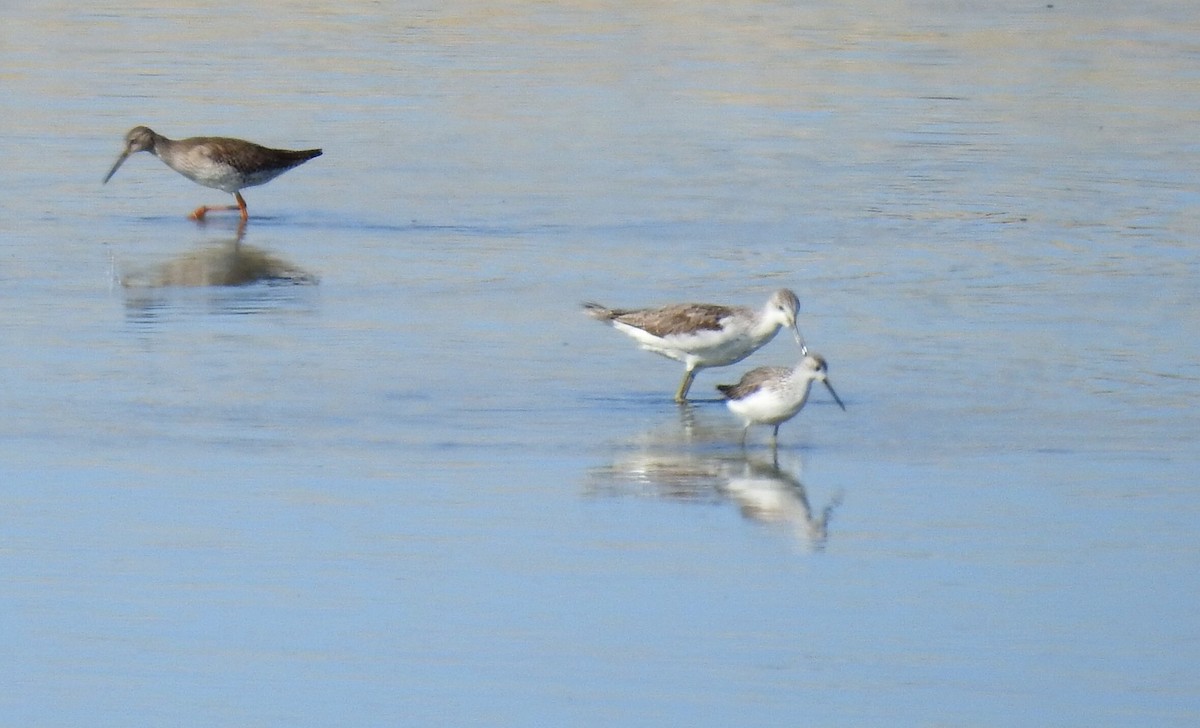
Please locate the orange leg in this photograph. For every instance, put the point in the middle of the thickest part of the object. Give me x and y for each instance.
(242, 206)
(199, 213)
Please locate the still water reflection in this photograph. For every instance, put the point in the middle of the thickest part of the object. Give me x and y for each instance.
(220, 263)
(695, 464)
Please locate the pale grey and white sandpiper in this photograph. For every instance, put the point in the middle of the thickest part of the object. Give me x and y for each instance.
(774, 395)
(703, 335)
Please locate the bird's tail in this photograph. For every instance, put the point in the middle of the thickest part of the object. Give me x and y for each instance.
(302, 155)
(600, 313)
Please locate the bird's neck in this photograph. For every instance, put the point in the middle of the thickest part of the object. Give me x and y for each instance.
(800, 385)
(765, 326)
(162, 145)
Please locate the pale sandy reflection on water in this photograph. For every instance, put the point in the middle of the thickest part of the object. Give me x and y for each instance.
(366, 462)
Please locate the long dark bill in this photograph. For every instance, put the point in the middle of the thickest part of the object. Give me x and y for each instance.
(799, 340)
(120, 160)
(836, 398)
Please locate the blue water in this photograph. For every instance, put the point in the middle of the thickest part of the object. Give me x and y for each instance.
(414, 484)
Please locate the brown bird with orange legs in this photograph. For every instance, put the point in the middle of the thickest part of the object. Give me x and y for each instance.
(218, 162)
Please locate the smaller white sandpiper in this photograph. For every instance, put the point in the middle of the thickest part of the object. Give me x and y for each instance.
(774, 395)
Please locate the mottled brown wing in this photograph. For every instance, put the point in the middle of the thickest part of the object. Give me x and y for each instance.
(250, 157)
(752, 381)
(680, 318)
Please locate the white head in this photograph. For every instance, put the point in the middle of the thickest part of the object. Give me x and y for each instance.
(782, 309)
(814, 366)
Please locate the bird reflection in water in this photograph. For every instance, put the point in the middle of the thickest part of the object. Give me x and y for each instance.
(673, 464)
(228, 263)
(766, 492)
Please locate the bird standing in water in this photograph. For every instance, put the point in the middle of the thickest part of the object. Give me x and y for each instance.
(703, 334)
(774, 395)
(218, 162)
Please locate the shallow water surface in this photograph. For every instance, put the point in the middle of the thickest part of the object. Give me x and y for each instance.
(365, 461)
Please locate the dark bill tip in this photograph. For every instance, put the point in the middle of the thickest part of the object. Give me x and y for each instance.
(120, 160)
(836, 398)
